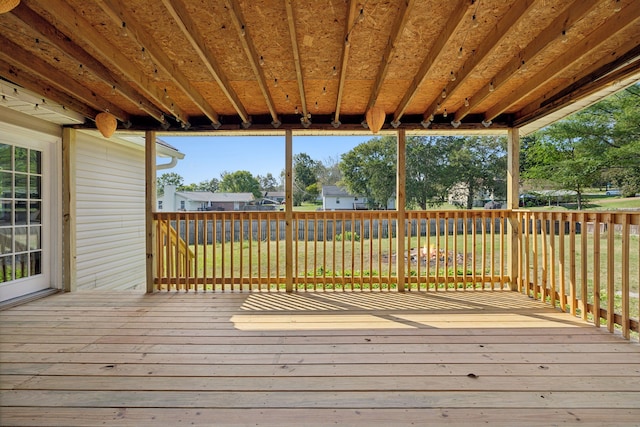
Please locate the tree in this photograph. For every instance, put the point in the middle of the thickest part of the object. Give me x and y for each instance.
(239, 182)
(329, 171)
(268, 182)
(305, 173)
(208, 185)
(429, 175)
(170, 178)
(369, 170)
(479, 164)
(599, 143)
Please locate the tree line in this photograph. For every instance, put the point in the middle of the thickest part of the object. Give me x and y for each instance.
(595, 147)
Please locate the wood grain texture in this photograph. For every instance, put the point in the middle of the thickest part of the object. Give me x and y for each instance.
(452, 358)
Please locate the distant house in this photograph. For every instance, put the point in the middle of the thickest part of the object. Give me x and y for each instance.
(459, 193)
(278, 196)
(172, 200)
(337, 198)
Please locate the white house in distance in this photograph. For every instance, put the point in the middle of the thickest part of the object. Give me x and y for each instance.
(336, 198)
(173, 201)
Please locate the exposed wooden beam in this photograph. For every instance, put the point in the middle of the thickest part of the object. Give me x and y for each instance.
(566, 20)
(623, 67)
(296, 60)
(79, 28)
(60, 40)
(178, 11)
(252, 55)
(450, 28)
(20, 77)
(491, 42)
(617, 22)
(119, 14)
(344, 59)
(21, 59)
(396, 31)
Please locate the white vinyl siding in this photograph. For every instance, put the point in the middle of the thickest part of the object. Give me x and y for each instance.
(110, 215)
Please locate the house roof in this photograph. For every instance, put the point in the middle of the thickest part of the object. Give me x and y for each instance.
(335, 191)
(319, 66)
(207, 196)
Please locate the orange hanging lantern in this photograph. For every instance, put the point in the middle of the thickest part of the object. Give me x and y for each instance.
(375, 119)
(106, 124)
(8, 5)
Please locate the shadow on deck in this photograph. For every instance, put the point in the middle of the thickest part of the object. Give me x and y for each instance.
(127, 359)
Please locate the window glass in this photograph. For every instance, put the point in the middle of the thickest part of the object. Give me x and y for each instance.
(5, 157)
(20, 212)
(35, 162)
(21, 159)
(6, 184)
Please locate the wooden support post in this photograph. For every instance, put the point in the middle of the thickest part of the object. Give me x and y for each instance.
(69, 268)
(150, 206)
(401, 174)
(288, 208)
(513, 178)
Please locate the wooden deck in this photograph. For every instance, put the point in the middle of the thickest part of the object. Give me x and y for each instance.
(356, 359)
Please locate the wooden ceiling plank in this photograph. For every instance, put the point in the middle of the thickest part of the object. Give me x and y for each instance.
(57, 38)
(296, 60)
(119, 14)
(605, 73)
(81, 28)
(627, 16)
(514, 15)
(41, 87)
(566, 20)
(396, 31)
(252, 54)
(21, 59)
(181, 16)
(450, 28)
(344, 60)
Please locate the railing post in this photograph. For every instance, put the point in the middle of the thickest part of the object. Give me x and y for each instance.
(288, 210)
(513, 177)
(400, 209)
(150, 199)
(69, 268)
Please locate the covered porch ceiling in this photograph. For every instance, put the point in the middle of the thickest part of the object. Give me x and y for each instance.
(261, 65)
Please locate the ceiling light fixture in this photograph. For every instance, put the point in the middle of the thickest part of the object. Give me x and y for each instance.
(106, 124)
(375, 118)
(8, 5)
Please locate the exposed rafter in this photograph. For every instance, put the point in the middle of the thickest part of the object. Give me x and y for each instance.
(20, 77)
(64, 43)
(571, 15)
(450, 28)
(398, 26)
(344, 59)
(627, 16)
(252, 56)
(119, 14)
(79, 28)
(515, 14)
(625, 65)
(17, 56)
(296, 59)
(179, 13)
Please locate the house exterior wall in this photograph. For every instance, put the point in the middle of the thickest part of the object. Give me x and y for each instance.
(110, 214)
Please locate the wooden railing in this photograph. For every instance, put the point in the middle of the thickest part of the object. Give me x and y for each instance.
(175, 257)
(342, 250)
(584, 263)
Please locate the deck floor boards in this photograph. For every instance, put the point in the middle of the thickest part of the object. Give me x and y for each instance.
(312, 359)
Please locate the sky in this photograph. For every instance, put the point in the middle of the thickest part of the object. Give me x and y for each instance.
(207, 157)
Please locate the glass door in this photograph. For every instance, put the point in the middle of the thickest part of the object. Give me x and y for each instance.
(22, 240)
